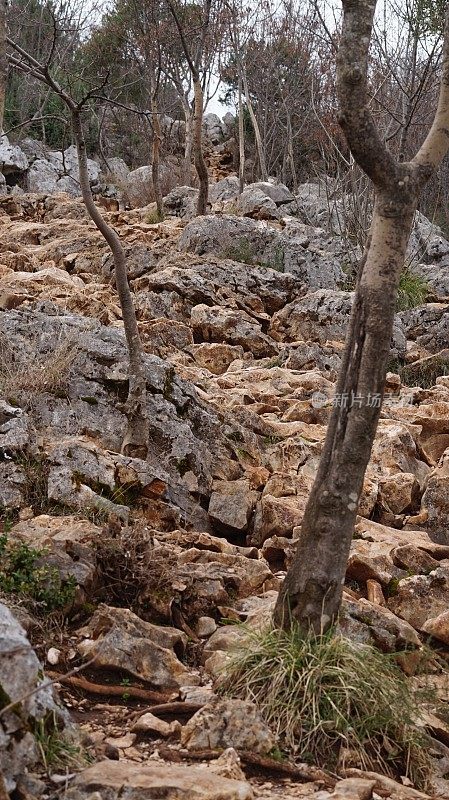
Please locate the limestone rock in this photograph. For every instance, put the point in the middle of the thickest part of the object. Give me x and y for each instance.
(120, 779)
(235, 327)
(118, 639)
(228, 723)
(253, 202)
(42, 176)
(12, 158)
(243, 239)
(21, 673)
(181, 202)
(231, 504)
(422, 597)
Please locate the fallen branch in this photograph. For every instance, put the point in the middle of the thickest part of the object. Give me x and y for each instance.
(110, 690)
(44, 685)
(299, 772)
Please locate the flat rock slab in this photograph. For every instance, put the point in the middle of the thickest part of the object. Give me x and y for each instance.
(130, 781)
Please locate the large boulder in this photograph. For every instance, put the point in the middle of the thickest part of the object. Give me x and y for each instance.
(66, 163)
(278, 192)
(42, 177)
(213, 128)
(181, 202)
(253, 202)
(255, 242)
(138, 187)
(322, 316)
(12, 158)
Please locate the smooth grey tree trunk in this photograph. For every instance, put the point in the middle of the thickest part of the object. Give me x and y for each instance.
(312, 590)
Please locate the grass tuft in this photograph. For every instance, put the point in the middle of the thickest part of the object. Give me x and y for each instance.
(24, 375)
(331, 701)
(412, 291)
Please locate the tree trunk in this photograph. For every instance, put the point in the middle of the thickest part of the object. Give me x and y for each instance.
(259, 145)
(200, 164)
(155, 160)
(136, 440)
(188, 146)
(311, 593)
(3, 61)
(241, 138)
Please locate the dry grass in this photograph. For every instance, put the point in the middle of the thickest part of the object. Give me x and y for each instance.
(331, 701)
(133, 569)
(26, 374)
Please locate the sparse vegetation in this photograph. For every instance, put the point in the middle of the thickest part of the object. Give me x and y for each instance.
(153, 217)
(242, 252)
(24, 573)
(57, 748)
(412, 291)
(24, 375)
(331, 700)
(132, 569)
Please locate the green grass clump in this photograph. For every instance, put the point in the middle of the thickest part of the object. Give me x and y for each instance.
(412, 291)
(58, 749)
(329, 699)
(37, 585)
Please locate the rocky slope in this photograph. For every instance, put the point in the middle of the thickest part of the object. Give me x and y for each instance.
(243, 316)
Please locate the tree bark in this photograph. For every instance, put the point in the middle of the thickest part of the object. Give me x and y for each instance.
(312, 591)
(188, 146)
(155, 159)
(136, 440)
(259, 145)
(241, 138)
(200, 164)
(3, 61)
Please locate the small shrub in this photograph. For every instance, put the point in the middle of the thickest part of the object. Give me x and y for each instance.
(412, 291)
(23, 375)
(153, 217)
(133, 569)
(327, 697)
(425, 374)
(34, 583)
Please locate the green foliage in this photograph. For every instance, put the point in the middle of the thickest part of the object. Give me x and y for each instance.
(22, 573)
(58, 750)
(328, 698)
(241, 251)
(412, 291)
(153, 217)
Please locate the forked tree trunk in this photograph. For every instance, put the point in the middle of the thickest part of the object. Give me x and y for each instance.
(312, 591)
(136, 439)
(200, 164)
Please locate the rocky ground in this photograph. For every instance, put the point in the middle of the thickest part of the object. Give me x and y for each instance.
(243, 316)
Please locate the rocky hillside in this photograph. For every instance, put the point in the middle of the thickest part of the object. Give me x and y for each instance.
(131, 578)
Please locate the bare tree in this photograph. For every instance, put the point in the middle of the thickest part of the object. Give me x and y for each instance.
(194, 60)
(136, 438)
(312, 591)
